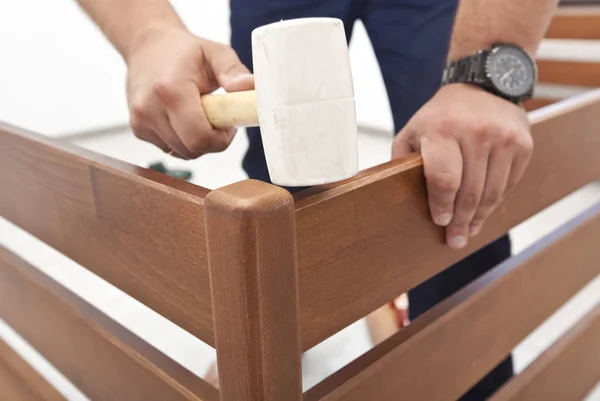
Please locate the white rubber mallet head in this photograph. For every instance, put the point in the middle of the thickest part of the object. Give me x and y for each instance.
(304, 102)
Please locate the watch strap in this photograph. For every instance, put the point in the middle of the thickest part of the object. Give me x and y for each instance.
(469, 69)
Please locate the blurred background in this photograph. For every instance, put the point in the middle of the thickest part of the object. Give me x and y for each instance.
(60, 77)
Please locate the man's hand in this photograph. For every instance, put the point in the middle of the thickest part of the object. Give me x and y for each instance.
(167, 72)
(475, 148)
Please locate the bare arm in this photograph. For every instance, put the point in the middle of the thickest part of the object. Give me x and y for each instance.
(168, 69)
(475, 145)
(481, 23)
(129, 23)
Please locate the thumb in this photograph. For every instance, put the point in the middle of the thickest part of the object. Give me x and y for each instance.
(229, 71)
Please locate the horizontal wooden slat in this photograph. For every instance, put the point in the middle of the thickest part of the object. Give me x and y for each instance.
(575, 22)
(20, 382)
(140, 230)
(578, 73)
(100, 357)
(538, 103)
(567, 371)
(450, 348)
(363, 241)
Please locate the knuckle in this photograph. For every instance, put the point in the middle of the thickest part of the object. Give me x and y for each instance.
(491, 198)
(509, 139)
(526, 144)
(197, 144)
(166, 90)
(470, 200)
(445, 128)
(140, 110)
(220, 145)
(136, 125)
(444, 181)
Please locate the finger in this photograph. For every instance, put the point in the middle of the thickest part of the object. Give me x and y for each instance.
(142, 131)
(229, 71)
(401, 146)
(519, 165)
(186, 116)
(169, 136)
(499, 168)
(475, 162)
(443, 168)
(148, 113)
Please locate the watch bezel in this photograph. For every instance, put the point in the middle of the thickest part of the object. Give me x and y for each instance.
(493, 51)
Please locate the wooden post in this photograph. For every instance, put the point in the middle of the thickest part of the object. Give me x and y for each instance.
(251, 237)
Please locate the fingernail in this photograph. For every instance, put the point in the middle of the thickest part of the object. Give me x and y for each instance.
(457, 242)
(473, 231)
(443, 219)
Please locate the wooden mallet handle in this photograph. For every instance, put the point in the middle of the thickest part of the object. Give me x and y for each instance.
(231, 110)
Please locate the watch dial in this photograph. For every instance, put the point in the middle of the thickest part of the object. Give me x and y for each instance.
(511, 71)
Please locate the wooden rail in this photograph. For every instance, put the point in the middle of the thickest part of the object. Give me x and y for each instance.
(567, 371)
(100, 357)
(570, 22)
(139, 230)
(367, 236)
(575, 22)
(263, 275)
(19, 382)
(446, 352)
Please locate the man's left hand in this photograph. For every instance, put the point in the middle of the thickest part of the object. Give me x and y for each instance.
(475, 148)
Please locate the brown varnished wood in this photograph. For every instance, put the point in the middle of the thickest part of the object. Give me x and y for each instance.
(252, 255)
(575, 22)
(99, 356)
(20, 382)
(578, 73)
(363, 241)
(447, 350)
(567, 371)
(139, 230)
(538, 103)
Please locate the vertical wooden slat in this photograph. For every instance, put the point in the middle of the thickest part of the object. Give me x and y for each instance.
(250, 230)
(567, 371)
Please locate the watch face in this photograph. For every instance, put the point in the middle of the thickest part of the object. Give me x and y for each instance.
(511, 70)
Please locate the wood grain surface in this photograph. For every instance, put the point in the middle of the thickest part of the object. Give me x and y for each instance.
(252, 254)
(567, 371)
(577, 73)
(575, 22)
(538, 103)
(364, 241)
(140, 230)
(100, 357)
(446, 351)
(20, 382)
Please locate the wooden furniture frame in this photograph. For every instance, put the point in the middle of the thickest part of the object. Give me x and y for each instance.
(262, 275)
(572, 22)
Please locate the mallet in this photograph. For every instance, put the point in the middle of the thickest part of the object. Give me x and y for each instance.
(303, 103)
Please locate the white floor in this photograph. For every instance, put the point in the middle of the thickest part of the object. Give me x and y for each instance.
(217, 170)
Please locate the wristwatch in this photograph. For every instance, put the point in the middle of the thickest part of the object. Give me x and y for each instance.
(505, 70)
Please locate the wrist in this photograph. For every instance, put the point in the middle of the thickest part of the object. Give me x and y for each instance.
(149, 34)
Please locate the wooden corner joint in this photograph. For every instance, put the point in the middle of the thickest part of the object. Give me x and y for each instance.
(251, 240)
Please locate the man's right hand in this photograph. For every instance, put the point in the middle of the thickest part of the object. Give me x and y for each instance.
(167, 73)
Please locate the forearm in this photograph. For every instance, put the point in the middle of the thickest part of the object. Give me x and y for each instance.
(481, 23)
(127, 23)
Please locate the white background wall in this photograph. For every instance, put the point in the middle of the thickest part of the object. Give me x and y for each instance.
(58, 74)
